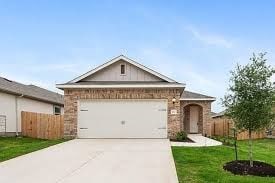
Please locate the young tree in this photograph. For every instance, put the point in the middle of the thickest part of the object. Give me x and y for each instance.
(251, 97)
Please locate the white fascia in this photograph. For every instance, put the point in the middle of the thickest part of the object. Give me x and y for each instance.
(122, 86)
(198, 99)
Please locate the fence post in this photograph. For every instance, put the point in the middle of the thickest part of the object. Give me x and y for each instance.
(214, 128)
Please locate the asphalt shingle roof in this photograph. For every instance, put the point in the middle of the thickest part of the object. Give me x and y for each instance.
(30, 91)
(193, 95)
(220, 114)
(213, 113)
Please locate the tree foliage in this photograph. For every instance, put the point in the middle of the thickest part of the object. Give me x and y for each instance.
(252, 95)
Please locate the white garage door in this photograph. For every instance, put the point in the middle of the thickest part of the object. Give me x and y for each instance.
(122, 119)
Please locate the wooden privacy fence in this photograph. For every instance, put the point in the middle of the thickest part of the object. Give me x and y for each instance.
(222, 126)
(42, 126)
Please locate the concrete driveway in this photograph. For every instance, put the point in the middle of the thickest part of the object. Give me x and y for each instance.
(95, 161)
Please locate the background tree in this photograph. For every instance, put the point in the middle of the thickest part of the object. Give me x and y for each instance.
(251, 97)
(271, 128)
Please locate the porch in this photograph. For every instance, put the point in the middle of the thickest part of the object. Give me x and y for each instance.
(196, 117)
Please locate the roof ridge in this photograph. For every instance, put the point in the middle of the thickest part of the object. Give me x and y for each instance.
(48, 90)
(13, 81)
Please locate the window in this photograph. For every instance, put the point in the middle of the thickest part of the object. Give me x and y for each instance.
(122, 69)
(57, 110)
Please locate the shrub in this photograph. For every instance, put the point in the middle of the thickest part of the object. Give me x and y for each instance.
(181, 136)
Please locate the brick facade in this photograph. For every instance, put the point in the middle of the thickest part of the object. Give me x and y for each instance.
(71, 96)
(175, 121)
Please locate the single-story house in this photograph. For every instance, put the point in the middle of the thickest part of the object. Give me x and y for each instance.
(16, 97)
(124, 99)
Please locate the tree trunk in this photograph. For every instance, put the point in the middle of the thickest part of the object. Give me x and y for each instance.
(235, 144)
(250, 149)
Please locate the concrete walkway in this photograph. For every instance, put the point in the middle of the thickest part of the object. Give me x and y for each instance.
(199, 141)
(96, 161)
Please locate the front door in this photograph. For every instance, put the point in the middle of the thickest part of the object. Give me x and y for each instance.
(194, 119)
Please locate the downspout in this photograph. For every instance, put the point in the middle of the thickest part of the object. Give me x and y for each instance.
(16, 111)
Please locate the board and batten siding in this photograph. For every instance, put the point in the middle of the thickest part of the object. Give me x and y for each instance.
(112, 73)
(8, 109)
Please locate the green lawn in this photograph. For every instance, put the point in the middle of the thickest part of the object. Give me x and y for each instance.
(206, 164)
(11, 147)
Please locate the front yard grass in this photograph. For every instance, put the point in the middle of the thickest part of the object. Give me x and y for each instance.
(11, 147)
(205, 164)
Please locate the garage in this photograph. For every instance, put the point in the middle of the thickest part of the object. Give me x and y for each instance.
(122, 99)
(126, 118)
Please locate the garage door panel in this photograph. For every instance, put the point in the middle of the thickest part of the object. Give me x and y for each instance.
(122, 119)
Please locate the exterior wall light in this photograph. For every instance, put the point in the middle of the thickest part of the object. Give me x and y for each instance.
(174, 100)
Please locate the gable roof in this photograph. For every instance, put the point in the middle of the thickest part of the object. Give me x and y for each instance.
(187, 95)
(220, 114)
(124, 58)
(30, 91)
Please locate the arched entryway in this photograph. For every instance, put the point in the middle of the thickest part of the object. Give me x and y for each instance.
(193, 118)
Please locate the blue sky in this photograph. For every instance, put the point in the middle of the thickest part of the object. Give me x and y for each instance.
(195, 42)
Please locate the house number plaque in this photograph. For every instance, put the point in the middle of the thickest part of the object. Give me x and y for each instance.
(174, 111)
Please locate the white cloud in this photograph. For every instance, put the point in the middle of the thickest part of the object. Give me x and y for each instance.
(183, 70)
(207, 85)
(209, 39)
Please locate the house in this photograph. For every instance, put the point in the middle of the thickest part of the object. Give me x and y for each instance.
(124, 99)
(219, 114)
(16, 97)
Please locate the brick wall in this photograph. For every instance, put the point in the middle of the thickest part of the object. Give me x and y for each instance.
(71, 96)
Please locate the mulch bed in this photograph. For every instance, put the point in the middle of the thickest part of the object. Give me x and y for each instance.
(242, 167)
(186, 140)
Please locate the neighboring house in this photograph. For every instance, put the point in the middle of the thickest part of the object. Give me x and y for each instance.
(218, 115)
(213, 113)
(16, 97)
(124, 99)
(221, 125)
